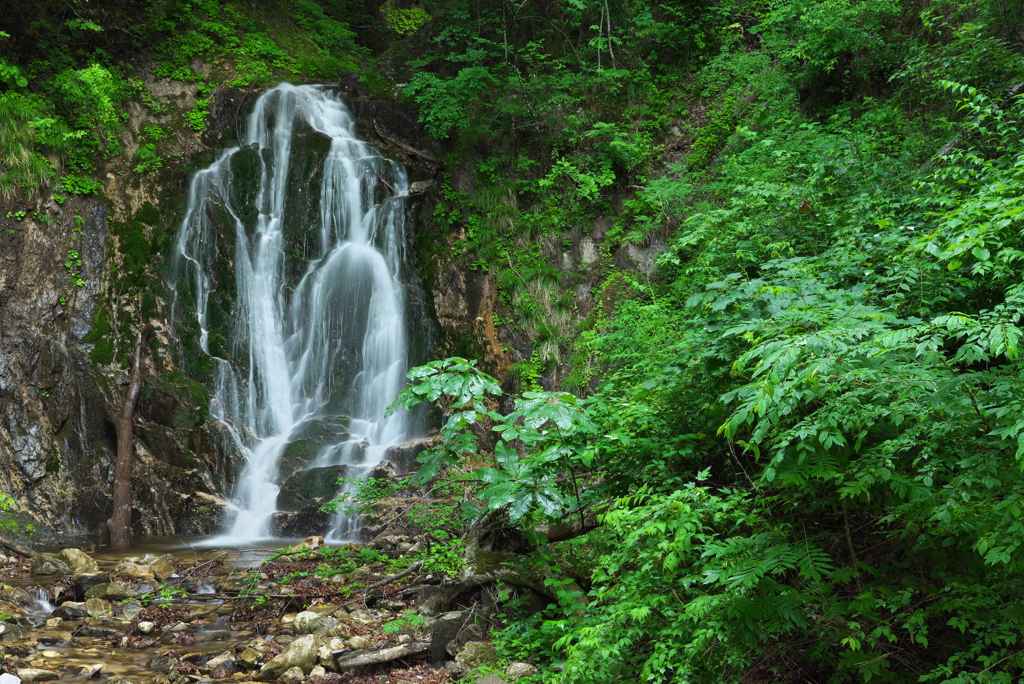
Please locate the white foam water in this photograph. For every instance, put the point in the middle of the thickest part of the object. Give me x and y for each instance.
(291, 337)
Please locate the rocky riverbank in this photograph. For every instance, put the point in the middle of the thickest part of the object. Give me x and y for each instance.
(308, 613)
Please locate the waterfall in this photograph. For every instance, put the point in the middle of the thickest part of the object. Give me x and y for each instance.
(313, 340)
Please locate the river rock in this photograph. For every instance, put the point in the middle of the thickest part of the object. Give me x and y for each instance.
(29, 674)
(212, 664)
(8, 608)
(45, 564)
(146, 627)
(54, 621)
(119, 591)
(71, 610)
(95, 607)
(519, 670)
(131, 609)
(301, 653)
(477, 653)
(8, 678)
(317, 673)
(134, 570)
(79, 561)
(250, 658)
(87, 582)
(308, 622)
(163, 567)
(18, 597)
(292, 675)
(11, 632)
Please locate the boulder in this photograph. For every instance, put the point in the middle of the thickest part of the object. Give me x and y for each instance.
(292, 676)
(250, 658)
(309, 439)
(86, 582)
(119, 591)
(18, 597)
(308, 622)
(11, 632)
(172, 400)
(298, 523)
(469, 632)
(224, 659)
(385, 470)
(445, 630)
(71, 610)
(404, 455)
(45, 564)
(357, 642)
(477, 653)
(163, 567)
(301, 653)
(11, 610)
(130, 609)
(307, 487)
(456, 670)
(134, 570)
(79, 561)
(519, 670)
(95, 607)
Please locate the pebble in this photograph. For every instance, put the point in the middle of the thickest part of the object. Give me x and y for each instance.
(146, 627)
(53, 622)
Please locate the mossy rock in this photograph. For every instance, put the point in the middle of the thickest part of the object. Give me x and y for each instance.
(175, 401)
(326, 429)
(314, 486)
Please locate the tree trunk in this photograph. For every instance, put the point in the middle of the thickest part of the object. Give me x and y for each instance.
(121, 519)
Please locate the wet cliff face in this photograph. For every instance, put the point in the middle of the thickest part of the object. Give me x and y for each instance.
(77, 277)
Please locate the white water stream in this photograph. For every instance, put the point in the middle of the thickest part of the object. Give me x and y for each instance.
(291, 331)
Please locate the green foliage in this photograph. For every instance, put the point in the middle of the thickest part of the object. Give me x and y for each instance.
(404, 21)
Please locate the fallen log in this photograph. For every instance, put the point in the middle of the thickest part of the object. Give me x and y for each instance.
(345, 661)
(15, 547)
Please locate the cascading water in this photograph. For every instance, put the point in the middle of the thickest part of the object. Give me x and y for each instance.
(318, 333)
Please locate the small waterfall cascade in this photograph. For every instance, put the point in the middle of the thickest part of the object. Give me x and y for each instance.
(311, 346)
(43, 599)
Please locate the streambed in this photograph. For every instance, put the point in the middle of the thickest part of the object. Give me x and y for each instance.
(223, 614)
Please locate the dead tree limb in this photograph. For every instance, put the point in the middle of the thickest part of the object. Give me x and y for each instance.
(385, 655)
